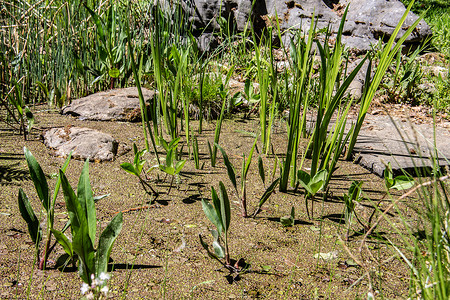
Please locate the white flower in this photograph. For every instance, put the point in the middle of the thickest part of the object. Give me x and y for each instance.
(105, 290)
(104, 276)
(84, 288)
(97, 282)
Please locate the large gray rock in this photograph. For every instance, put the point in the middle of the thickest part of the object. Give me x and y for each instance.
(112, 105)
(407, 146)
(367, 20)
(84, 142)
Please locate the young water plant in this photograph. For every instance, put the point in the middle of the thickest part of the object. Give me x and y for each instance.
(195, 152)
(400, 182)
(220, 216)
(269, 191)
(83, 224)
(136, 167)
(244, 171)
(288, 221)
(350, 199)
(312, 185)
(172, 165)
(27, 213)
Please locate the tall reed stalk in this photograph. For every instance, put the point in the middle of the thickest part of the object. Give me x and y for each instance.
(302, 61)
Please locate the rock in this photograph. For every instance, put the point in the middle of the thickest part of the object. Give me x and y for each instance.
(367, 20)
(405, 145)
(118, 105)
(84, 142)
(436, 71)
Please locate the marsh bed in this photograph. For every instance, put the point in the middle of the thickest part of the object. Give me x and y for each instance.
(158, 253)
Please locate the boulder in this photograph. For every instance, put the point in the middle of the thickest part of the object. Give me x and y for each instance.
(112, 105)
(84, 143)
(367, 20)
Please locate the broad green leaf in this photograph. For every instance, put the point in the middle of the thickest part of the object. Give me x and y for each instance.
(170, 158)
(205, 246)
(224, 207)
(216, 203)
(218, 249)
(129, 168)
(114, 72)
(64, 241)
(34, 227)
(105, 243)
(179, 166)
(304, 180)
(86, 200)
(81, 241)
(402, 182)
(72, 205)
(320, 176)
(38, 177)
(316, 186)
(212, 215)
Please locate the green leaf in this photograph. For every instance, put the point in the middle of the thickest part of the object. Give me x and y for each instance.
(304, 180)
(229, 165)
(114, 72)
(30, 118)
(205, 246)
(64, 241)
(129, 168)
(179, 166)
(212, 215)
(246, 167)
(268, 192)
(105, 243)
(170, 158)
(81, 241)
(38, 177)
(86, 200)
(266, 268)
(34, 227)
(224, 207)
(289, 220)
(218, 249)
(402, 182)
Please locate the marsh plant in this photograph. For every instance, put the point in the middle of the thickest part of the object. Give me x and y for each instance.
(350, 200)
(244, 172)
(243, 184)
(220, 215)
(48, 203)
(136, 168)
(312, 185)
(172, 164)
(82, 221)
(83, 226)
